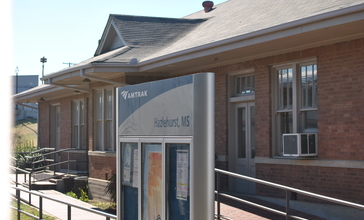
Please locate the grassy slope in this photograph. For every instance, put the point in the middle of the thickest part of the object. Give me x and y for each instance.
(27, 129)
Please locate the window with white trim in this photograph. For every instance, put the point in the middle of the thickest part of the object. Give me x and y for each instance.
(104, 119)
(295, 101)
(78, 124)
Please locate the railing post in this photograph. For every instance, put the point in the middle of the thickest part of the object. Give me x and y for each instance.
(30, 188)
(69, 212)
(217, 196)
(18, 202)
(68, 159)
(40, 207)
(16, 177)
(288, 195)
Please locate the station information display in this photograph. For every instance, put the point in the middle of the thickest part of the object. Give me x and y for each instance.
(165, 149)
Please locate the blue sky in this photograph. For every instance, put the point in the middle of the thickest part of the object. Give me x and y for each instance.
(68, 31)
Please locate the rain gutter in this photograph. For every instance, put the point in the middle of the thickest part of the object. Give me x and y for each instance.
(69, 87)
(82, 74)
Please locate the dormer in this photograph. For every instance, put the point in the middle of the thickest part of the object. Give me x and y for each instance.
(111, 38)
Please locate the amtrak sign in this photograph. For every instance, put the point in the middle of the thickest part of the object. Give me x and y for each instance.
(157, 108)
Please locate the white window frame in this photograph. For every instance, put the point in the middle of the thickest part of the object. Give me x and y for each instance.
(296, 109)
(102, 136)
(78, 124)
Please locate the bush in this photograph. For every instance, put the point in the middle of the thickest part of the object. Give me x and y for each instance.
(20, 154)
(72, 194)
(83, 195)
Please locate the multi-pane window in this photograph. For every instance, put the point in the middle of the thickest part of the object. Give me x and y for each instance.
(295, 102)
(78, 124)
(308, 108)
(104, 119)
(244, 85)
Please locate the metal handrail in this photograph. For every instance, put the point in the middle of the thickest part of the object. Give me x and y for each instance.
(69, 205)
(25, 177)
(279, 186)
(45, 160)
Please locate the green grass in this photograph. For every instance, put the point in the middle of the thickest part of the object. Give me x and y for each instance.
(25, 132)
(103, 205)
(29, 209)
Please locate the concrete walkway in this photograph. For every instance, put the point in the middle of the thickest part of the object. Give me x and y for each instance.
(56, 209)
(230, 209)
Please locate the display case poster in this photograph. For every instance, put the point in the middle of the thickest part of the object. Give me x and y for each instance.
(129, 172)
(152, 182)
(135, 169)
(182, 174)
(127, 163)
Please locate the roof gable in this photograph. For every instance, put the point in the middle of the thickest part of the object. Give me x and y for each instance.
(143, 32)
(111, 39)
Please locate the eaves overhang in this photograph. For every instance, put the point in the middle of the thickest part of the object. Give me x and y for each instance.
(95, 67)
(47, 92)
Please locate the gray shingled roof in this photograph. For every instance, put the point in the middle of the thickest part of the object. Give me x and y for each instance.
(144, 36)
(152, 37)
(238, 17)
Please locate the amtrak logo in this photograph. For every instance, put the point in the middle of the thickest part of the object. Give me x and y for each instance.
(132, 95)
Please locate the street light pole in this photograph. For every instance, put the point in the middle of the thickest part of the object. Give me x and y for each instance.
(43, 60)
(16, 80)
(16, 86)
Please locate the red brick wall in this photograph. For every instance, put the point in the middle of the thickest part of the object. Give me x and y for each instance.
(341, 183)
(65, 119)
(340, 123)
(262, 111)
(341, 101)
(102, 167)
(44, 124)
(340, 118)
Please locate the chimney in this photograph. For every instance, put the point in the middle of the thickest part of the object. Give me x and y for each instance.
(207, 6)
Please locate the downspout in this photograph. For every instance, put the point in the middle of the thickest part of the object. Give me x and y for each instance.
(87, 136)
(82, 74)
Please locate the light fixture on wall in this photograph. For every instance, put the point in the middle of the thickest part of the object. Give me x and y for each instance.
(86, 80)
(77, 92)
(41, 99)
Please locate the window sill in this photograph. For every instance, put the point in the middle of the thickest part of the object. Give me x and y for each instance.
(102, 153)
(296, 158)
(76, 150)
(310, 162)
(242, 98)
(284, 160)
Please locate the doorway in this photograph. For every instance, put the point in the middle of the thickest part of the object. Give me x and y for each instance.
(245, 146)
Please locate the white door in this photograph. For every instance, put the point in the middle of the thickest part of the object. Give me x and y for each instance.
(245, 146)
(55, 131)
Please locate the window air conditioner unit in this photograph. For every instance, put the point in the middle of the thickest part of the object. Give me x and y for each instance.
(300, 144)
